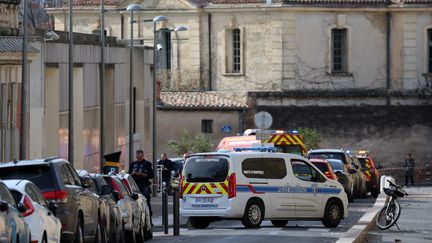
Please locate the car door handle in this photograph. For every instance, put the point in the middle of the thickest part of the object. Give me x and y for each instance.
(258, 182)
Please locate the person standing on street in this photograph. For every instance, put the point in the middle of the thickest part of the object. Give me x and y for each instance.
(409, 169)
(141, 171)
(168, 166)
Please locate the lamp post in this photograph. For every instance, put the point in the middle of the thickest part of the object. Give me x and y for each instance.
(71, 93)
(101, 89)
(23, 121)
(131, 8)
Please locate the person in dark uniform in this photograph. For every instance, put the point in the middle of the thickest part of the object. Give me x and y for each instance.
(141, 171)
(168, 166)
(409, 169)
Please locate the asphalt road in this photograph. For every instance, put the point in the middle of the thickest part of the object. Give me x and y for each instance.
(295, 231)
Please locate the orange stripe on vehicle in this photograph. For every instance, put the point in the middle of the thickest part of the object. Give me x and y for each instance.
(221, 188)
(197, 187)
(187, 190)
(299, 141)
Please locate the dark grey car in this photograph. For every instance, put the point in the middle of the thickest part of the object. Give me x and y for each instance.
(77, 208)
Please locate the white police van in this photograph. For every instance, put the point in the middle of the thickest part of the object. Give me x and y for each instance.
(253, 186)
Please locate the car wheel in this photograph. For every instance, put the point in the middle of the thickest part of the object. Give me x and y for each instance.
(44, 239)
(375, 192)
(332, 214)
(79, 237)
(148, 230)
(279, 223)
(350, 194)
(253, 215)
(199, 222)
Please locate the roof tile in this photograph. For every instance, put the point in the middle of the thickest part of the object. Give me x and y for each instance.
(14, 44)
(209, 100)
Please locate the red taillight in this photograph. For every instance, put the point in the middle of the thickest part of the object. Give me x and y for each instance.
(29, 206)
(126, 182)
(181, 186)
(232, 184)
(330, 175)
(116, 188)
(56, 196)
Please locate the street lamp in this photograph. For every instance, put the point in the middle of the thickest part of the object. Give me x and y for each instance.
(131, 8)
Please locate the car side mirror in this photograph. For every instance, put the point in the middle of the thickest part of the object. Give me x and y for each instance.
(105, 190)
(86, 182)
(21, 208)
(53, 207)
(116, 195)
(4, 206)
(352, 171)
(135, 196)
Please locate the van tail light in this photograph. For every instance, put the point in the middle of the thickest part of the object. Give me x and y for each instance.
(181, 187)
(232, 184)
(126, 182)
(116, 188)
(29, 206)
(58, 196)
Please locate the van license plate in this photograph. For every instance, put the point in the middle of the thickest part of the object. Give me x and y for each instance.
(204, 200)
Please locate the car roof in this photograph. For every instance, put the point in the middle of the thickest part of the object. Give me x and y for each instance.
(327, 151)
(32, 162)
(316, 160)
(245, 154)
(16, 183)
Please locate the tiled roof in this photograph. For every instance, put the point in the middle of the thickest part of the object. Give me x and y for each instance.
(94, 3)
(334, 3)
(14, 44)
(199, 100)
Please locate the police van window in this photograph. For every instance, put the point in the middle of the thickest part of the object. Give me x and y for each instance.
(206, 169)
(305, 172)
(266, 168)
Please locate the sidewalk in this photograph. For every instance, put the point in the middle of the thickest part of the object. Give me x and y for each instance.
(156, 203)
(415, 221)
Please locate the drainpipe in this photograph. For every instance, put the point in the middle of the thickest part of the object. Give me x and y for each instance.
(388, 55)
(210, 51)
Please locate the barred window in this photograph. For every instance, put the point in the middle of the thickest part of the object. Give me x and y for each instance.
(236, 50)
(207, 126)
(429, 48)
(339, 50)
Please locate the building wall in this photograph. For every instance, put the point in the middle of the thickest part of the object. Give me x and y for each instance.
(171, 127)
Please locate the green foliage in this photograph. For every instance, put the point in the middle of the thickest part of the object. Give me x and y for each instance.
(189, 143)
(310, 136)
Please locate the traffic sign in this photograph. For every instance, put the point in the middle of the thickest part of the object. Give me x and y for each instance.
(263, 120)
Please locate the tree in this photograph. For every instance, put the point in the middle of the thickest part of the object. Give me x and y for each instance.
(189, 143)
(310, 136)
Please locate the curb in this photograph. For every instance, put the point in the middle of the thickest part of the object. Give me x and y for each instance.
(358, 232)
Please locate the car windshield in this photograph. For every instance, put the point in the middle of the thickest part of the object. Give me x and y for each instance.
(328, 155)
(39, 175)
(362, 162)
(323, 167)
(336, 164)
(206, 169)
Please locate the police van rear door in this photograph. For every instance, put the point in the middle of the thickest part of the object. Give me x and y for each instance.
(205, 182)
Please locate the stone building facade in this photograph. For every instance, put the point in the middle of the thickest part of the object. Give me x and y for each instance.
(318, 56)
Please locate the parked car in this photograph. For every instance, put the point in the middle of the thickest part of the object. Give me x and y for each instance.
(370, 171)
(45, 226)
(146, 232)
(324, 166)
(77, 208)
(344, 177)
(19, 230)
(179, 162)
(103, 208)
(115, 227)
(360, 187)
(346, 158)
(127, 206)
(5, 227)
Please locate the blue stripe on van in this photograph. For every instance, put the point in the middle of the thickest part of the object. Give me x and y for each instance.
(283, 189)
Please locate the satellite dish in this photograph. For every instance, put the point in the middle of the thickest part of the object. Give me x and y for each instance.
(263, 120)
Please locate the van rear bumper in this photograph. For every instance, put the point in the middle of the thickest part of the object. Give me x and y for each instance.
(221, 213)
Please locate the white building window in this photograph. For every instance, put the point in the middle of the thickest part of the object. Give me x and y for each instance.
(339, 51)
(234, 51)
(207, 126)
(429, 50)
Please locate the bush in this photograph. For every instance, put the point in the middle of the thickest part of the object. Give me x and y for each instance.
(189, 143)
(311, 137)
